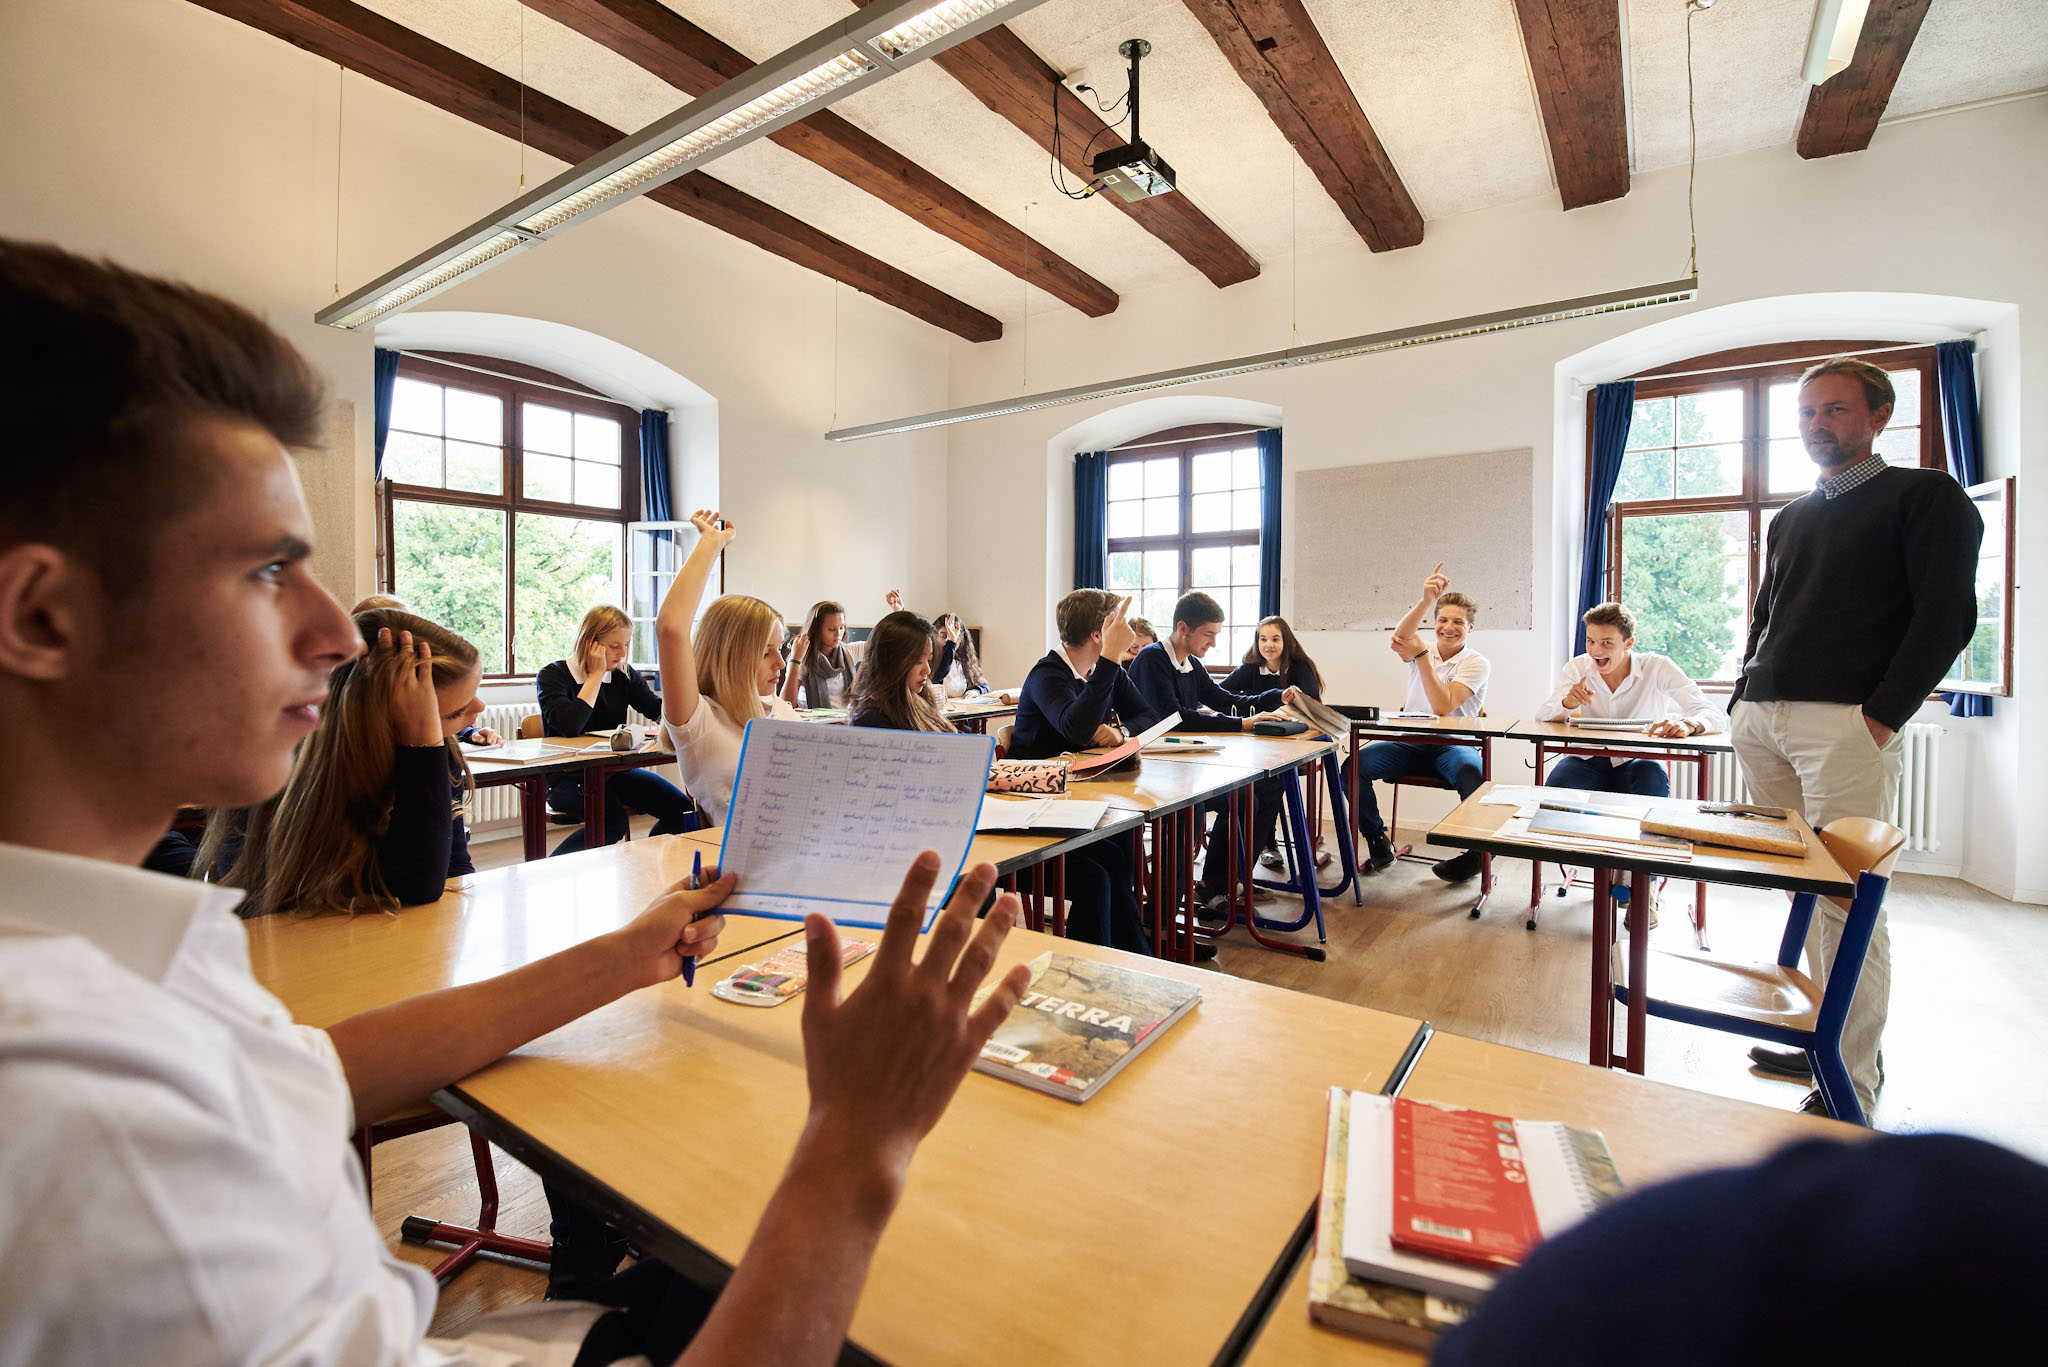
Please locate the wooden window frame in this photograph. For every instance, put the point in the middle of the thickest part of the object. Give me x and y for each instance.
(516, 385)
(1185, 443)
(1755, 370)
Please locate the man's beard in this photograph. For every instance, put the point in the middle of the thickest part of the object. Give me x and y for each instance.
(1823, 450)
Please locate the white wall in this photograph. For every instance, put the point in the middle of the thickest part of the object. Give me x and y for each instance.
(177, 141)
(1937, 206)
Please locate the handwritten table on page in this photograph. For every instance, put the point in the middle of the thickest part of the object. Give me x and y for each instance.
(828, 818)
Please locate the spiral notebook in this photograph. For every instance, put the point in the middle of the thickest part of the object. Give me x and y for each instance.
(1432, 1205)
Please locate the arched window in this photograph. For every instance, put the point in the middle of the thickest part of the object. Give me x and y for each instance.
(1183, 514)
(507, 490)
(1713, 452)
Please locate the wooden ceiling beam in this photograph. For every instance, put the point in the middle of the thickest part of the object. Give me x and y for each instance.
(1574, 49)
(1842, 113)
(656, 38)
(1002, 71)
(370, 45)
(1278, 52)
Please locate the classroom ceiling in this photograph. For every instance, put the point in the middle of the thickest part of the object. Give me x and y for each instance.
(1447, 86)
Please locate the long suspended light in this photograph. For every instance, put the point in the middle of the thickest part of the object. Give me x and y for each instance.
(1671, 292)
(1831, 42)
(861, 49)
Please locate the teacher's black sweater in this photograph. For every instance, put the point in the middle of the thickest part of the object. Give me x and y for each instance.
(1867, 597)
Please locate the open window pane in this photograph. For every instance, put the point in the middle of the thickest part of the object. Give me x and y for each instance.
(565, 565)
(449, 563)
(1685, 576)
(546, 428)
(476, 417)
(416, 406)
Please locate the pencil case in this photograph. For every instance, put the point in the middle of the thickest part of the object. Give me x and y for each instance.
(1028, 776)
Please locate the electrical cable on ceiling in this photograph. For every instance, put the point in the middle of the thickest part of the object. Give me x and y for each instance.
(1057, 171)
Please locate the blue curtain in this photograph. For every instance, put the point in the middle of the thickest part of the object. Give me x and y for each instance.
(1091, 518)
(383, 379)
(1955, 370)
(655, 504)
(1269, 522)
(1613, 406)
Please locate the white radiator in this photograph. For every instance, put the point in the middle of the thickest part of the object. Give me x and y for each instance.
(1918, 813)
(499, 806)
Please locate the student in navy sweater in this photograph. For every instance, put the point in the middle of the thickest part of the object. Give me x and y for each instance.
(1169, 675)
(1065, 705)
(371, 819)
(1275, 660)
(590, 691)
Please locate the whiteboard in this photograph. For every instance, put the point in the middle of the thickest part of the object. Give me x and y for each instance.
(1366, 536)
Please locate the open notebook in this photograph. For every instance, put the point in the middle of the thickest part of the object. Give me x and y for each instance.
(828, 818)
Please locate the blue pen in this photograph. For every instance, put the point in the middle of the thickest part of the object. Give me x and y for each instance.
(696, 881)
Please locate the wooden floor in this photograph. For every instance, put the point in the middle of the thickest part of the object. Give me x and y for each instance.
(1968, 971)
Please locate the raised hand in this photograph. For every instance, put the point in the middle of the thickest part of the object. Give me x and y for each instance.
(894, 598)
(1116, 631)
(949, 628)
(884, 1062)
(415, 707)
(714, 527)
(1434, 586)
(800, 648)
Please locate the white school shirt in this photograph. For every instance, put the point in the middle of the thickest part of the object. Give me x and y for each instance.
(708, 752)
(176, 1183)
(1467, 667)
(1656, 689)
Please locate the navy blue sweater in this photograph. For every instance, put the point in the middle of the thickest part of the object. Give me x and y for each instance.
(1167, 689)
(1056, 712)
(425, 843)
(1248, 679)
(563, 713)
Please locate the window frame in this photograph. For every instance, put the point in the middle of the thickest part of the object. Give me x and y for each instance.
(1754, 370)
(515, 385)
(1185, 443)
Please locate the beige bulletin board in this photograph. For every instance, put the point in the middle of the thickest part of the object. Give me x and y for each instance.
(1366, 536)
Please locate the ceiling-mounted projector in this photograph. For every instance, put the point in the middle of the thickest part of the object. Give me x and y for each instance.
(1133, 171)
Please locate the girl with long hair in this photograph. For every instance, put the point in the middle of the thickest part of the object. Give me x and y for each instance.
(893, 688)
(591, 690)
(964, 675)
(712, 686)
(1275, 660)
(371, 817)
(822, 662)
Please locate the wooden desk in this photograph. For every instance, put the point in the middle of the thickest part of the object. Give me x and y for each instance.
(1032, 1228)
(597, 762)
(976, 712)
(1656, 1132)
(1556, 738)
(1475, 824)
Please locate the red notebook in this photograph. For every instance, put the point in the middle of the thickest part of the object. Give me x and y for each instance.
(1461, 1187)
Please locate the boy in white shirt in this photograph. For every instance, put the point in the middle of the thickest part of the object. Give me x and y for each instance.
(1446, 679)
(1614, 680)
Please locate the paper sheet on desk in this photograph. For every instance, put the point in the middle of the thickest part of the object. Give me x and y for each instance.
(828, 818)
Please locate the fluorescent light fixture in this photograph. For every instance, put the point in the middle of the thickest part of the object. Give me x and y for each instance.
(825, 67)
(1671, 292)
(1831, 43)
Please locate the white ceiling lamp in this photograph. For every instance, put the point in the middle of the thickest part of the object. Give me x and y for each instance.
(1671, 292)
(862, 48)
(1831, 43)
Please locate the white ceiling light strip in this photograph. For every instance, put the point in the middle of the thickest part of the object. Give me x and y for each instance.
(1831, 42)
(1671, 292)
(830, 64)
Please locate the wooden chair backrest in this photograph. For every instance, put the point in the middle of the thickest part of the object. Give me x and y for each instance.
(1862, 844)
(530, 727)
(1003, 734)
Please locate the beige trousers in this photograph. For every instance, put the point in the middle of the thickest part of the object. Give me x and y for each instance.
(1818, 758)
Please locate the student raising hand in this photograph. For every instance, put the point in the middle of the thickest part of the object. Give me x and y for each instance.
(415, 707)
(884, 1062)
(1117, 634)
(1434, 586)
(719, 531)
(894, 598)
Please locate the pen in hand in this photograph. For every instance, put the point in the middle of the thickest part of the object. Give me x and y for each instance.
(696, 881)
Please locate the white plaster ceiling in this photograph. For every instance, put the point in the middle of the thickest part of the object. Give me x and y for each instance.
(1444, 82)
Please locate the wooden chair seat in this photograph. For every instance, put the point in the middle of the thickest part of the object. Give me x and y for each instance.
(1765, 993)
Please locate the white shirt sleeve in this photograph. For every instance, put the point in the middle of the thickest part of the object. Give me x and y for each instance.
(1690, 700)
(1472, 670)
(1553, 708)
